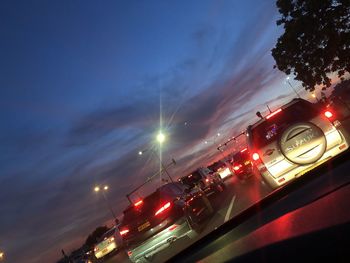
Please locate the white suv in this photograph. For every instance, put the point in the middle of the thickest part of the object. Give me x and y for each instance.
(293, 140)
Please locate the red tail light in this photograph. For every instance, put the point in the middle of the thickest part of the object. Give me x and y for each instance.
(273, 114)
(173, 227)
(163, 208)
(328, 114)
(138, 203)
(124, 232)
(255, 156)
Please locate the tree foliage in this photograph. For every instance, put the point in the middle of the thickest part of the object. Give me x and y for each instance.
(95, 235)
(316, 41)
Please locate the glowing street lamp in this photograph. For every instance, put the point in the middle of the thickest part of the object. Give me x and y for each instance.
(160, 137)
(105, 188)
(2, 255)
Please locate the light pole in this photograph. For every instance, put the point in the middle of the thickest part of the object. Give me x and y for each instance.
(103, 190)
(160, 138)
(287, 79)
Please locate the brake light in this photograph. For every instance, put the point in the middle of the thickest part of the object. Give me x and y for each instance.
(328, 114)
(255, 156)
(273, 114)
(173, 227)
(138, 203)
(124, 232)
(162, 209)
(245, 149)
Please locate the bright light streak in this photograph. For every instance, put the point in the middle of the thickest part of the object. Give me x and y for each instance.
(160, 137)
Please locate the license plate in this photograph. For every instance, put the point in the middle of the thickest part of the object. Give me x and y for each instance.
(143, 226)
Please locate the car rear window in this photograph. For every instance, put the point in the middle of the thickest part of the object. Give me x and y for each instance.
(109, 233)
(192, 178)
(271, 128)
(149, 204)
(216, 166)
(241, 157)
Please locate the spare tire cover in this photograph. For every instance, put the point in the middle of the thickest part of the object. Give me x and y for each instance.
(303, 143)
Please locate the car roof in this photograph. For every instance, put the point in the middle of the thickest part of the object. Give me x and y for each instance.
(287, 105)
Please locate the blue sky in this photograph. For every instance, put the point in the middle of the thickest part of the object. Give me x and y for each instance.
(83, 86)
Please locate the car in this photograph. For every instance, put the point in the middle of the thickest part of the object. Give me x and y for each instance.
(293, 140)
(242, 164)
(108, 243)
(222, 168)
(170, 213)
(205, 179)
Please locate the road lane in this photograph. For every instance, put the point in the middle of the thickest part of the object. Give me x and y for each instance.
(228, 213)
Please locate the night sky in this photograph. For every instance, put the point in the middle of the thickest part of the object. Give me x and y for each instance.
(85, 85)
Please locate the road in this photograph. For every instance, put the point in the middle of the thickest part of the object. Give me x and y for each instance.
(237, 196)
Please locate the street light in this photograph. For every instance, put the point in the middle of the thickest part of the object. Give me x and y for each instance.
(105, 188)
(314, 96)
(160, 137)
(2, 255)
(287, 79)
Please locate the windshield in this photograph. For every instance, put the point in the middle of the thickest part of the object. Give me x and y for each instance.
(109, 233)
(216, 166)
(270, 129)
(151, 122)
(147, 206)
(241, 157)
(192, 178)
